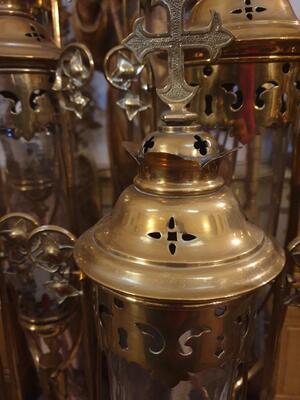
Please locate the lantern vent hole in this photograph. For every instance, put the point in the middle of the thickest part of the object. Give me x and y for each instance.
(119, 303)
(249, 10)
(261, 91)
(103, 313)
(155, 340)
(207, 70)
(34, 98)
(149, 144)
(201, 145)
(172, 248)
(219, 353)
(171, 223)
(220, 311)
(123, 337)
(15, 103)
(186, 340)
(173, 235)
(286, 68)
(35, 34)
(234, 89)
(208, 105)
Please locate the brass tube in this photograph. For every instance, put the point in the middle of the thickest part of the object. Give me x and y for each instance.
(56, 22)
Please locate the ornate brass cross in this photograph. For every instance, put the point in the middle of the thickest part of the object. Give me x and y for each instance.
(177, 93)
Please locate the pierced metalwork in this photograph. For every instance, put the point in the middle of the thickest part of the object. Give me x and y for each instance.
(173, 349)
(172, 236)
(35, 34)
(201, 145)
(49, 248)
(176, 92)
(249, 10)
(149, 144)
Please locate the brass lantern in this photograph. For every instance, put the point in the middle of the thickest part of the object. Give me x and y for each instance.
(178, 271)
(251, 95)
(39, 84)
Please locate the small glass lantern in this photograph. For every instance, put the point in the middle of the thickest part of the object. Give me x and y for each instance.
(178, 271)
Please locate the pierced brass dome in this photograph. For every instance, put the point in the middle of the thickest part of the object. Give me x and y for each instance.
(178, 234)
(261, 28)
(23, 39)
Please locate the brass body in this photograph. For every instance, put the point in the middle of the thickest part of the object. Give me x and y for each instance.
(38, 88)
(178, 275)
(255, 104)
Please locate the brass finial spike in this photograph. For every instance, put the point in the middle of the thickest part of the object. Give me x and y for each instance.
(177, 93)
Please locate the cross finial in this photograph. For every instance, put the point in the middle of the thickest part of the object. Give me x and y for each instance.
(177, 93)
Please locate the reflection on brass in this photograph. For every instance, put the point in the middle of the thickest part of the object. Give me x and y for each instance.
(107, 23)
(178, 272)
(249, 95)
(39, 84)
(40, 265)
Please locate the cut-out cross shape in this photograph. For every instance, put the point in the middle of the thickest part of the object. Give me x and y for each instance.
(249, 10)
(172, 236)
(201, 145)
(35, 34)
(177, 93)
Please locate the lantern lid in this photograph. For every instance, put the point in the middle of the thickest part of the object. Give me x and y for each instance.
(178, 233)
(23, 41)
(264, 29)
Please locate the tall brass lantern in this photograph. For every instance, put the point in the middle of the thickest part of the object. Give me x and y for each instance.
(251, 95)
(39, 84)
(178, 271)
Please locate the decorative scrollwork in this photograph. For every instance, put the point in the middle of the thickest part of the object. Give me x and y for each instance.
(74, 71)
(123, 76)
(14, 232)
(188, 338)
(49, 248)
(156, 341)
(175, 341)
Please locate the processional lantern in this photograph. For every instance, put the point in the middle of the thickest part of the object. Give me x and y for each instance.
(177, 269)
(39, 84)
(250, 94)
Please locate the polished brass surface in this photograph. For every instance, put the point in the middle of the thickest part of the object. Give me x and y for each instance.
(25, 41)
(265, 31)
(50, 314)
(179, 273)
(40, 84)
(151, 338)
(165, 263)
(210, 217)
